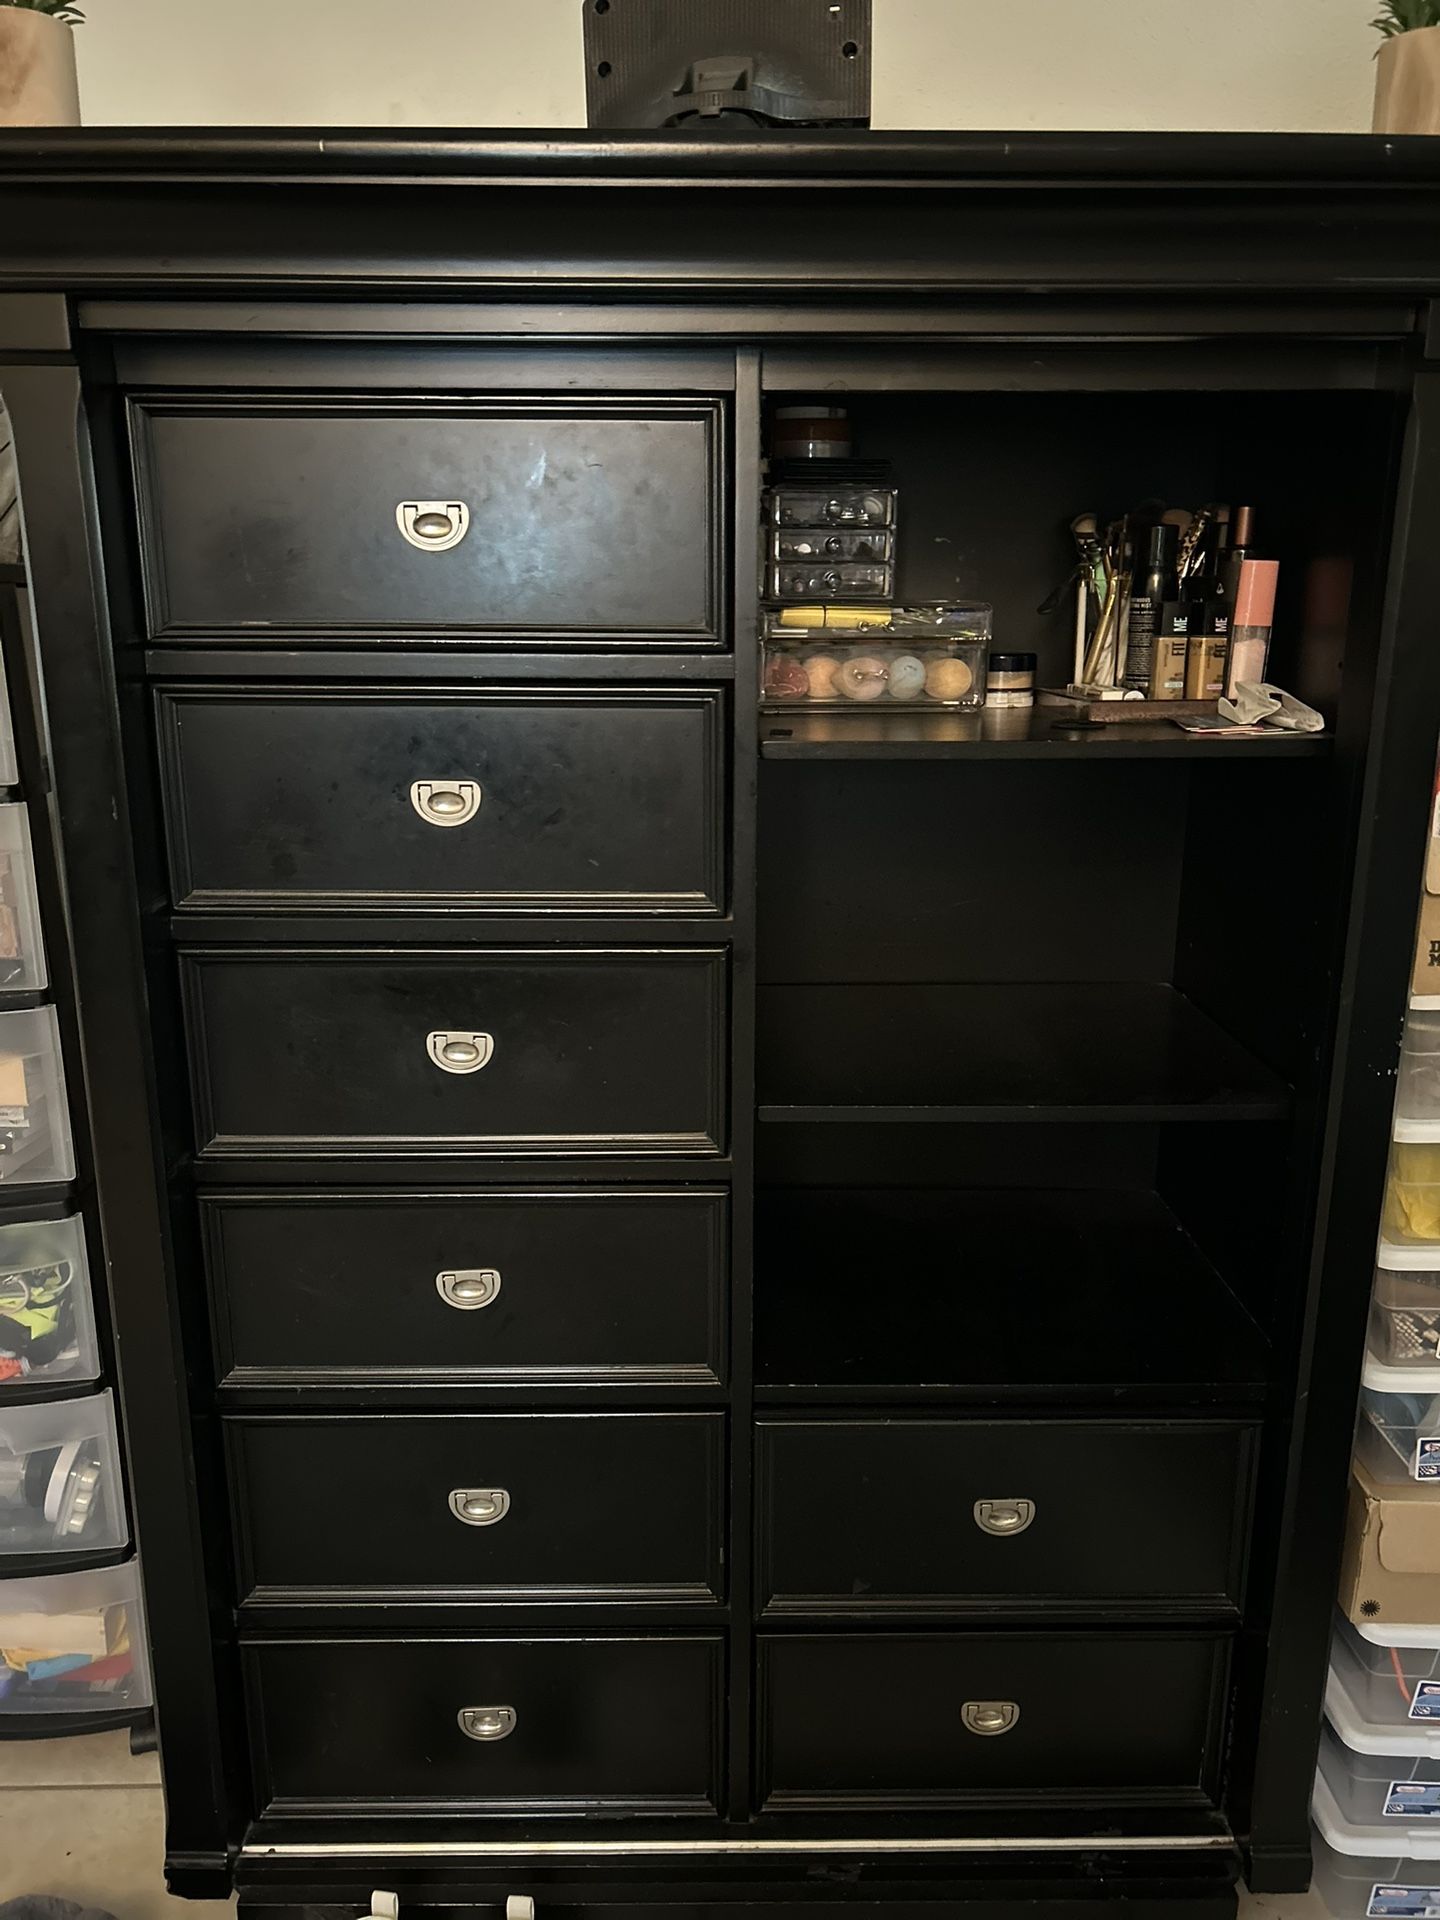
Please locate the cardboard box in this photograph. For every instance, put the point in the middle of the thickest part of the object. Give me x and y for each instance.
(1391, 1566)
(1426, 978)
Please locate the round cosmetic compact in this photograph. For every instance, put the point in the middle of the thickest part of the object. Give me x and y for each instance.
(810, 433)
(1011, 681)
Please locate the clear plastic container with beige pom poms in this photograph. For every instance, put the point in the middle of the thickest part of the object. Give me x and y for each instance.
(914, 656)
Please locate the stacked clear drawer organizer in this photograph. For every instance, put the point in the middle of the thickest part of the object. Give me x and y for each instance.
(72, 1638)
(1376, 1805)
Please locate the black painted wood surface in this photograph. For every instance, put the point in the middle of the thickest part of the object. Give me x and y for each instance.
(301, 800)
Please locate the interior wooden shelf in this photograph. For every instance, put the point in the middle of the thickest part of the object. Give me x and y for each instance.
(1041, 733)
(992, 1296)
(1088, 1052)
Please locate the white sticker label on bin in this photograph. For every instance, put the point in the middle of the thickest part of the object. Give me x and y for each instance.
(1404, 1903)
(1426, 1703)
(1412, 1800)
(1426, 1464)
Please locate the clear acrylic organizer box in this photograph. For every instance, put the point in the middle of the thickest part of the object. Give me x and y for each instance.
(77, 1643)
(60, 1486)
(47, 1315)
(35, 1142)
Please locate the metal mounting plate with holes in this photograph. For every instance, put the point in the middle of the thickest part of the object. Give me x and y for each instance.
(486, 1723)
(446, 803)
(433, 525)
(989, 1717)
(480, 1506)
(456, 1052)
(468, 1288)
(1002, 1517)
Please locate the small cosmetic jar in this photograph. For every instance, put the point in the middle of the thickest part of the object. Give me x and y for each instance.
(1011, 681)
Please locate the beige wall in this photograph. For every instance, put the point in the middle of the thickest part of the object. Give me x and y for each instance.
(1165, 64)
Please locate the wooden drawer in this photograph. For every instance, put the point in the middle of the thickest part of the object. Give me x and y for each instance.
(273, 517)
(540, 1289)
(589, 803)
(861, 1516)
(331, 1053)
(907, 1720)
(576, 1507)
(364, 1725)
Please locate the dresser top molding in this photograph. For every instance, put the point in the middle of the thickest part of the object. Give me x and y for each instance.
(803, 215)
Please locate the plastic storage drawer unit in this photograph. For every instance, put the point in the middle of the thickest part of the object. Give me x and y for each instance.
(1364, 1875)
(35, 1143)
(1417, 1095)
(1386, 1791)
(60, 1486)
(22, 952)
(47, 1320)
(1399, 1435)
(830, 580)
(832, 543)
(1412, 1196)
(73, 1642)
(9, 765)
(832, 507)
(1405, 1307)
(1390, 1676)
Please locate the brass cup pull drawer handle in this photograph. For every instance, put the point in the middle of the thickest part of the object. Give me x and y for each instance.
(486, 1723)
(989, 1717)
(1003, 1517)
(446, 803)
(480, 1506)
(433, 525)
(460, 1052)
(468, 1288)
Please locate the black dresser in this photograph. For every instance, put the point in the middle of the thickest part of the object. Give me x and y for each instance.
(721, 1309)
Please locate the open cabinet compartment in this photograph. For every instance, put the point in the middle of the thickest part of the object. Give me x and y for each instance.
(1044, 1012)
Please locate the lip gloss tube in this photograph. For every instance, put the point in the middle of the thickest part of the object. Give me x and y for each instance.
(1254, 618)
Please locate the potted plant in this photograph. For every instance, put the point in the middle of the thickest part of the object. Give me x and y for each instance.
(37, 64)
(1407, 79)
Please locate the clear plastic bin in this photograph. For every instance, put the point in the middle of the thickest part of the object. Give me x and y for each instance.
(1390, 1678)
(832, 543)
(9, 766)
(47, 1317)
(73, 1643)
(798, 580)
(832, 506)
(22, 951)
(1364, 1875)
(60, 1488)
(1405, 1307)
(1412, 1196)
(1417, 1096)
(35, 1143)
(1399, 1435)
(911, 656)
(1383, 1791)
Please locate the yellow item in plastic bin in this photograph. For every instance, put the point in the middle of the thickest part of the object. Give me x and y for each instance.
(1412, 1194)
(843, 617)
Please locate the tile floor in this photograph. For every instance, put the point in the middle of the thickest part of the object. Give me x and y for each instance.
(82, 1819)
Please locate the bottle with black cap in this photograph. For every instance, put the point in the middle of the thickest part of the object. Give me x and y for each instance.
(1209, 600)
(1155, 589)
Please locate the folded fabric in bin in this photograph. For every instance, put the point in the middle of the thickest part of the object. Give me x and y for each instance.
(1391, 1565)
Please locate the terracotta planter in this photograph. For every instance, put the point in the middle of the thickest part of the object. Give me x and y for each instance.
(1407, 83)
(37, 71)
